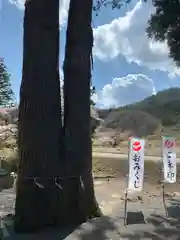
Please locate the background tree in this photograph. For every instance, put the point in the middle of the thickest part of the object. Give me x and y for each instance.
(164, 25)
(6, 93)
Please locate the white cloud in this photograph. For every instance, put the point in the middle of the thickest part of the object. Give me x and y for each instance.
(63, 12)
(63, 9)
(126, 36)
(94, 98)
(18, 3)
(61, 74)
(125, 90)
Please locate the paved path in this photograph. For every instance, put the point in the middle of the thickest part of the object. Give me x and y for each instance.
(120, 156)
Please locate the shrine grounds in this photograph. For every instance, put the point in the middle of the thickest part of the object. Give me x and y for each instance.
(110, 181)
(117, 168)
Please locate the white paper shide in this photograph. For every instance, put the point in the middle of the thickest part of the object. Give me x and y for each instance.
(169, 159)
(136, 164)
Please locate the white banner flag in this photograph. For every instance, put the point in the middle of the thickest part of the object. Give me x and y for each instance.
(169, 159)
(136, 164)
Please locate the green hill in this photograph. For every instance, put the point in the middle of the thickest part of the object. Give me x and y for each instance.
(162, 109)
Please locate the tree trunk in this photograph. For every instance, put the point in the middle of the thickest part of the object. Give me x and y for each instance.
(81, 203)
(39, 119)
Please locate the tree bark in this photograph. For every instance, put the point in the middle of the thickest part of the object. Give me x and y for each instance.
(39, 120)
(81, 203)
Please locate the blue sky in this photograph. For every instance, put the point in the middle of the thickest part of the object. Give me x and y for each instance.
(127, 65)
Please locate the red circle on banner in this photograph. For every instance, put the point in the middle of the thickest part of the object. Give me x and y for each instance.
(136, 146)
(169, 143)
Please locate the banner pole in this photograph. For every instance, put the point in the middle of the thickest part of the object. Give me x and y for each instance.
(126, 192)
(164, 201)
(162, 175)
(125, 208)
(1, 228)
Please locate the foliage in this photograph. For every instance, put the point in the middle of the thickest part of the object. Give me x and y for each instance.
(164, 26)
(93, 91)
(115, 4)
(6, 93)
(164, 106)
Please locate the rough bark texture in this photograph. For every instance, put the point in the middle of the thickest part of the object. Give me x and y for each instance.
(39, 119)
(81, 203)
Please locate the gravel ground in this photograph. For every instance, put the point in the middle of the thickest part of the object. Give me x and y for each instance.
(146, 216)
(146, 213)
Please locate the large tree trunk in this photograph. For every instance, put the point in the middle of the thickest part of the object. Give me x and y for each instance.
(81, 203)
(39, 119)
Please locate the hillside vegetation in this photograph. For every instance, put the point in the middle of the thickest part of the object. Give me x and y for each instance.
(158, 112)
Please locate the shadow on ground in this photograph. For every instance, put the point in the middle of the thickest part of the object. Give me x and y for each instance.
(156, 227)
(51, 234)
(96, 229)
(162, 227)
(93, 229)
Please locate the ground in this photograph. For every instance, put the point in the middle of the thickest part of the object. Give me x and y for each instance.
(152, 224)
(110, 179)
